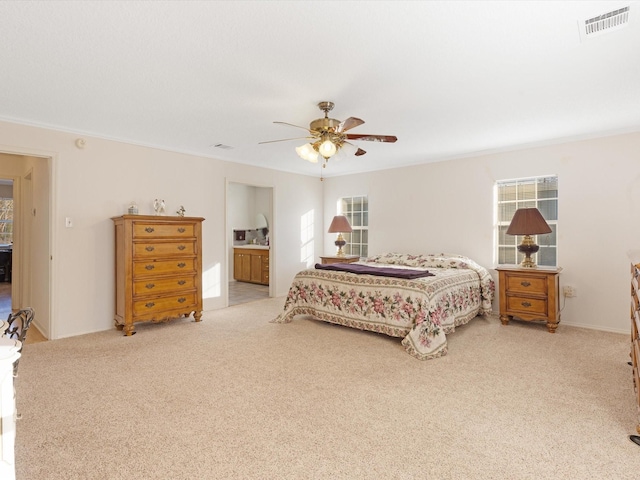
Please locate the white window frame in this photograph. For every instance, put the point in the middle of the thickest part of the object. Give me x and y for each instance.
(356, 209)
(528, 193)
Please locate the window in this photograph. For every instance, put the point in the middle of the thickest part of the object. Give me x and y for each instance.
(539, 192)
(6, 220)
(356, 209)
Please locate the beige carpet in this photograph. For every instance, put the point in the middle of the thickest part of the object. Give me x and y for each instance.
(237, 397)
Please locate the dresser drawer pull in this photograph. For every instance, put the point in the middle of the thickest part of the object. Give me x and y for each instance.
(149, 249)
(182, 265)
(525, 284)
(181, 282)
(149, 229)
(526, 304)
(149, 305)
(150, 285)
(181, 230)
(181, 247)
(149, 267)
(182, 300)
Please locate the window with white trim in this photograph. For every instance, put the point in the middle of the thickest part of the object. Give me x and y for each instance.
(356, 209)
(6, 220)
(510, 195)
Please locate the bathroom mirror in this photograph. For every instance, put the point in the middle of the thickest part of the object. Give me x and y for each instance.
(261, 221)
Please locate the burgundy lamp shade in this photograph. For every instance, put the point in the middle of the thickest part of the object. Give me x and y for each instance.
(340, 225)
(527, 222)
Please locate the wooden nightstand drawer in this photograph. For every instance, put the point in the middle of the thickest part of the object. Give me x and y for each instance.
(528, 305)
(526, 284)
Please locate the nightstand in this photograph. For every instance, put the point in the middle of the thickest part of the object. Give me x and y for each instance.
(335, 259)
(530, 294)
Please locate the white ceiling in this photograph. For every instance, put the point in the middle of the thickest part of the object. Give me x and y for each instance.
(449, 79)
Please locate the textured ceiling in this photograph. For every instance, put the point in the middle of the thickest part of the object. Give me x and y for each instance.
(449, 79)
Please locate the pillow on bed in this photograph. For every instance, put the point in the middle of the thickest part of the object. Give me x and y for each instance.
(441, 260)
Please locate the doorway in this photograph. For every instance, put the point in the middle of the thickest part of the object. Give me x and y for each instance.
(249, 210)
(6, 246)
(29, 282)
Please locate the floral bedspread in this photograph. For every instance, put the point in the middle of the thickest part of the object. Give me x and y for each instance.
(422, 311)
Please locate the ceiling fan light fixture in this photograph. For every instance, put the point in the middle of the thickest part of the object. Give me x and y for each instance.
(306, 152)
(327, 149)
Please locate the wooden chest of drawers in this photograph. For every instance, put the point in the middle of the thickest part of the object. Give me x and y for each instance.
(635, 329)
(158, 269)
(530, 294)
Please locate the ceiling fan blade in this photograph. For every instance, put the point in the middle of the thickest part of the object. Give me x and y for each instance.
(349, 123)
(285, 140)
(297, 126)
(372, 138)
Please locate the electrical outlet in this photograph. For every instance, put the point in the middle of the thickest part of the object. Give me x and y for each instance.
(569, 291)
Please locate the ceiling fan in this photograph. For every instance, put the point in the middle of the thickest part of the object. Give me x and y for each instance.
(327, 136)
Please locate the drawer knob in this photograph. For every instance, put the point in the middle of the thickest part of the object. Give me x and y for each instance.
(149, 229)
(526, 304)
(182, 300)
(181, 247)
(149, 267)
(181, 230)
(181, 282)
(182, 265)
(149, 305)
(149, 249)
(150, 285)
(525, 284)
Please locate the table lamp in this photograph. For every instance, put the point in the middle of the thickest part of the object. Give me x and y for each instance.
(340, 225)
(527, 222)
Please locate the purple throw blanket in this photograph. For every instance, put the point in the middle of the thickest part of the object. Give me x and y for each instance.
(406, 273)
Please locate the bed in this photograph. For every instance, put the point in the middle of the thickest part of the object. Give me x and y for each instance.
(420, 310)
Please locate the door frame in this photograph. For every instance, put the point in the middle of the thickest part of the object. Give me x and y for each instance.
(46, 320)
(229, 233)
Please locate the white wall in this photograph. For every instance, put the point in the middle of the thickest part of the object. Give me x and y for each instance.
(93, 184)
(448, 207)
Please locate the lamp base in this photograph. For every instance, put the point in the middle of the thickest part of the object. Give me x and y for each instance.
(528, 248)
(340, 242)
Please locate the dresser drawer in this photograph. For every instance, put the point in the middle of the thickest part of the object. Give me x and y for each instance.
(163, 249)
(154, 230)
(532, 306)
(158, 267)
(154, 307)
(526, 284)
(154, 286)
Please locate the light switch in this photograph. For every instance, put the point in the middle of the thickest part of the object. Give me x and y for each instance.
(68, 222)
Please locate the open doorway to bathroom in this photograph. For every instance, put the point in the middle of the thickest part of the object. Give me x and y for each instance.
(249, 222)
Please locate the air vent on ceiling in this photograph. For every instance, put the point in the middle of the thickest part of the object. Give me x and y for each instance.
(222, 146)
(605, 23)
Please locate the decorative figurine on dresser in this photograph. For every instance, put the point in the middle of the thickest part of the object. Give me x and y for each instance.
(158, 269)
